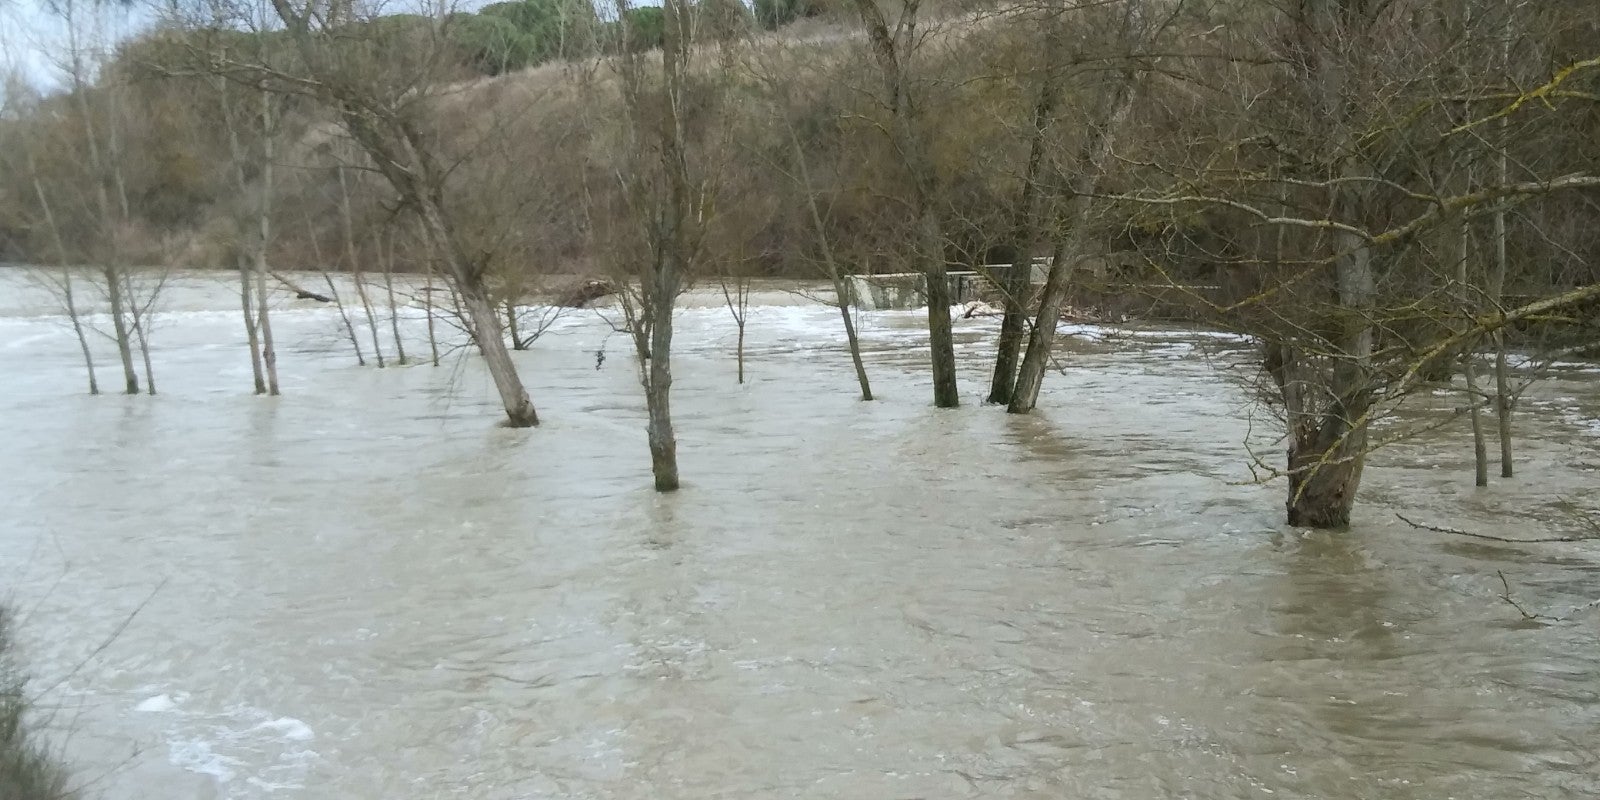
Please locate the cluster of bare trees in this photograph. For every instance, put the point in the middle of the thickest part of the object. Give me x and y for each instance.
(1387, 197)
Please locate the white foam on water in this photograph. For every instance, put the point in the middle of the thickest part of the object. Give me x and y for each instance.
(157, 704)
(246, 750)
(196, 755)
(289, 728)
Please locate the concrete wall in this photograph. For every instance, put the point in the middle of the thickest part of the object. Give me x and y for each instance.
(906, 290)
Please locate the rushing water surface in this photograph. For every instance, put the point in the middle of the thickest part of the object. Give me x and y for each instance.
(366, 589)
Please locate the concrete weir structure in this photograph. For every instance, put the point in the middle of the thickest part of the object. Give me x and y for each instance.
(903, 290)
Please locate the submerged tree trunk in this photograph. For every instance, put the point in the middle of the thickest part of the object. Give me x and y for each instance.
(853, 340)
(841, 283)
(1497, 283)
(68, 297)
(355, 268)
(664, 209)
(247, 263)
(1327, 456)
(941, 339)
(269, 353)
(140, 323)
(1469, 367)
(428, 292)
(1018, 284)
(119, 325)
(1090, 164)
(344, 316)
(398, 149)
(482, 320)
(248, 288)
(1030, 376)
(511, 326)
(1480, 449)
(738, 302)
(110, 269)
(891, 56)
(658, 387)
(394, 308)
(672, 246)
(77, 328)
(1324, 474)
(486, 334)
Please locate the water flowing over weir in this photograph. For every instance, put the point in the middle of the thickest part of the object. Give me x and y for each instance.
(367, 589)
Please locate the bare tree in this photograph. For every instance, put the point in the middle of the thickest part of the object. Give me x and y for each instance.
(777, 80)
(269, 352)
(1347, 158)
(1082, 177)
(736, 295)
(394, 307)
(894, 52)
(104, 171)
(63, 280)
(1017, 286)
(252, 235)
(662, 196)
(353, 263)
(380, 111)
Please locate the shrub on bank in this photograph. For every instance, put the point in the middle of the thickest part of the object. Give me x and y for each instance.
(28, 771)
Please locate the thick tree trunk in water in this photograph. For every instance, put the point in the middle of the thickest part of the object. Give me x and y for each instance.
(1030, 378)
(1325, 467)
(119, 324)
(941, 340)
(892, 58)
(1002, 386)
(658, 397)
(1092, 160)
(486, 333)
(672, 247)
(1018, 284)
(1324, 475)
(1328, 452)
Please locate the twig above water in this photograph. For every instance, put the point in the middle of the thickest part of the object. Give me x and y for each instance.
(1488, 537)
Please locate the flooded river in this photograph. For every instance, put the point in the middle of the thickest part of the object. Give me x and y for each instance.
(366, 589)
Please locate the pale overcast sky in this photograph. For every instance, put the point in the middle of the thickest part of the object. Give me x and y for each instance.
(33, 37)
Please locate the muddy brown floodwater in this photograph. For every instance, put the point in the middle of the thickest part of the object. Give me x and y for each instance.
(365, 589)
